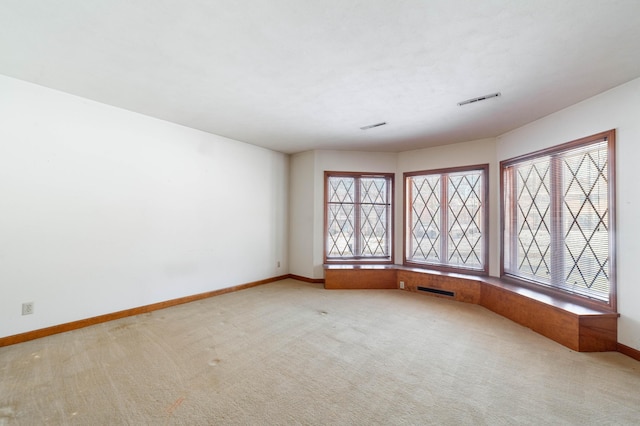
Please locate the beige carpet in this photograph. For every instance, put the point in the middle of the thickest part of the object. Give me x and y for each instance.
(293, 353)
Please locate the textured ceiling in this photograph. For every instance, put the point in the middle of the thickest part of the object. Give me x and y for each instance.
(294, 75)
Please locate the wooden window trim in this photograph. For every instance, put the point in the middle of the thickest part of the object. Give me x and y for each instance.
(390, 225)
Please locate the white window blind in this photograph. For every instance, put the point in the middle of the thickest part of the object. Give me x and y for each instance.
(558, 218)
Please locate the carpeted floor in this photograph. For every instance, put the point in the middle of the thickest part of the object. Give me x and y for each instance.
(293, 353)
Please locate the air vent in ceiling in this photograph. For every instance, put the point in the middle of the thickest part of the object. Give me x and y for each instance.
(479, 98)
(371, 126)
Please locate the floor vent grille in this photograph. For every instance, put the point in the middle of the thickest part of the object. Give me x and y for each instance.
(437, 291)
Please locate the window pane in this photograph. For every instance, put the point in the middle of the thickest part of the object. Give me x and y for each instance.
(533, 225)
(373, 216)
(341, 189)
(340, 236)
(373, 230)
(464, 216)
(425, 218)
(586, 221)
(373, 190)
(341, 215)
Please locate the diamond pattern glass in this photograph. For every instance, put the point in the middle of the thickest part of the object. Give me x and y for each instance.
(425, 218)
(557, 219)
(533, 202)
(373, 219)
(445, 218)
(464, 219)
(586, 221)
(341, 216)
(358, 217)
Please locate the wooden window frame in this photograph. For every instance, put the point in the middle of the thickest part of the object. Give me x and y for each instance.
(484, 168)
(553, 289)
(390, 177)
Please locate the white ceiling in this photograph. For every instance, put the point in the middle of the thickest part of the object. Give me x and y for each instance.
(294, 75)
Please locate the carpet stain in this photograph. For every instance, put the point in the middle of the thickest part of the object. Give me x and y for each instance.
(121, 327)
(175, 406)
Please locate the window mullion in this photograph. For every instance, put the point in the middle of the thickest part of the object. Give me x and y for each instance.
(513, 222)
(388, 218)
(557, 273)
(356, 219)
(408, 239)
(444, 223)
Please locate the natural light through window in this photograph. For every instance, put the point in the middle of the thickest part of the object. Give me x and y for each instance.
(358, 216)
(446, 219)
(558, 217)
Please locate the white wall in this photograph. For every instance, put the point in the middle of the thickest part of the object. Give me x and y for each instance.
(301, 213)
(461, 154)
(617, 109)
(102, 209)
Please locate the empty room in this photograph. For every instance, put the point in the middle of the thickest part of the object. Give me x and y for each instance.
(319, 212)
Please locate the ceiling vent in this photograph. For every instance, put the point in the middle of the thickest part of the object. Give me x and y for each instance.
(479, 98)
(371, 126)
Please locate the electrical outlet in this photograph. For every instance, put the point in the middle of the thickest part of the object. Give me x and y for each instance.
(27, 308)
(402, 285)
(278, 263)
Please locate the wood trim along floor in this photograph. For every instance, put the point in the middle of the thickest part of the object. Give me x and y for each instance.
(628, 351)
(307, 280)
(61, 328)
(43, 332)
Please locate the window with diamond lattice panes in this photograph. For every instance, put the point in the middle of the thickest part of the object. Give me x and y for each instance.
(445, 218)
(558, 218)
(533, 201)
(358, 217)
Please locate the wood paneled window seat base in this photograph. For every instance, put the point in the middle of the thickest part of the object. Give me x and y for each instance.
(580, 328)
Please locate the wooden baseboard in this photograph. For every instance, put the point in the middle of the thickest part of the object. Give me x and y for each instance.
(307, 280)
(628, 351)
(43, 332)
(61, 328)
